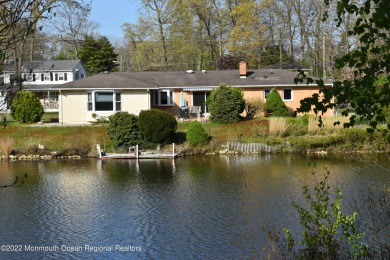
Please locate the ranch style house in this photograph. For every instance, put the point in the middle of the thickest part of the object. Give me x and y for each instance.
(179, 92)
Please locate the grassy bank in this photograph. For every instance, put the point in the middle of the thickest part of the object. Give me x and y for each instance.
(303, 134)
(69, 140)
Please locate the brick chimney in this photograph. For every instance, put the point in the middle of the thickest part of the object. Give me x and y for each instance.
(242, 69)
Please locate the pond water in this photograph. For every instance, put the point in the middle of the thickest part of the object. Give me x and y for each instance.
(202, 207)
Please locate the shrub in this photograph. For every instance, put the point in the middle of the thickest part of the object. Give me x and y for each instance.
(196, 134)
(276, 105)
(157, 126)
(253, 107)
(225, 104)
(26, 107)
(327, 232)
(123, 129)
(298, 125)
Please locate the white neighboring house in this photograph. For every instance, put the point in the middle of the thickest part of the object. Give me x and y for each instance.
(44, 77)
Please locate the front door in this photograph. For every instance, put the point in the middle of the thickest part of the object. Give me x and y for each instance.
(199, 99)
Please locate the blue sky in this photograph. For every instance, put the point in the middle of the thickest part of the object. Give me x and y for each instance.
(112, 14)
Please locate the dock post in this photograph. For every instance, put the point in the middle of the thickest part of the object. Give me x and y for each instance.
(99, 150)
(173, 150)
(136, 151)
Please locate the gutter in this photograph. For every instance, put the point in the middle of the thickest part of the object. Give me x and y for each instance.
(97, 89)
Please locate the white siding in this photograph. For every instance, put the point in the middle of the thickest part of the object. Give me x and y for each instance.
(71, 72)
(133, 101)
(74, 105)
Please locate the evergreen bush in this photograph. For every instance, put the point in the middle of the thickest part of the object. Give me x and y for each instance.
(26, 107)
(123, 130)
(276, 105)
(196, 135)
(157, 126)
(225, 104)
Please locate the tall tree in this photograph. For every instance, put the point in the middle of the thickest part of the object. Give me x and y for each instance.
(18, 22)
(19, 19)
(205, 12)
(71, 23)
(183, 42)
(144, 48)
(369, 62)
(246, 38)
(97, 55)
(161, 16)
(283, 11)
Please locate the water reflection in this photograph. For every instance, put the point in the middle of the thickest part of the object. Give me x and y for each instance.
(198, 207)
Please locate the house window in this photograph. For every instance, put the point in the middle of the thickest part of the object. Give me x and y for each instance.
(65, 76)
(60, 76)
(118, 102)
(266, 93)
(50, 96)
(287, 94)
(51, 76)
(104, 101)
(34, 77)
(25, 76)
(76, 75)
(42, 77)
(56, 76)
(90, 108)
(163, 98)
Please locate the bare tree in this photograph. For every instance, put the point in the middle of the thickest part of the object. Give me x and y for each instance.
(18, 22)
(161, 16)
(71, 23)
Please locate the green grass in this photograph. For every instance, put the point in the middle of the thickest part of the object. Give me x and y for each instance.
(50, 117)
(62, 139)
(47, 118)
(82, 140)
(327, 138)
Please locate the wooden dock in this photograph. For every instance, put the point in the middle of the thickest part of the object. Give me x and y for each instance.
(136, 154)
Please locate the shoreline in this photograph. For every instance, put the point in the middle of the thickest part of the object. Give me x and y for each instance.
(191, 152)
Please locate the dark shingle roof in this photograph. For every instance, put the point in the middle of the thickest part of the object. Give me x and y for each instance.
(159, 79)
(52, 65)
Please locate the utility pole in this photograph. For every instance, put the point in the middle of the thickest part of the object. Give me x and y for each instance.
(323, 58)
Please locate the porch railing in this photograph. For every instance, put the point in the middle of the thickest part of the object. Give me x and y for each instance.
(51, 104)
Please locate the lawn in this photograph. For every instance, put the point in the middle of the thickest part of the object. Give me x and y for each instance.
(63, 139)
